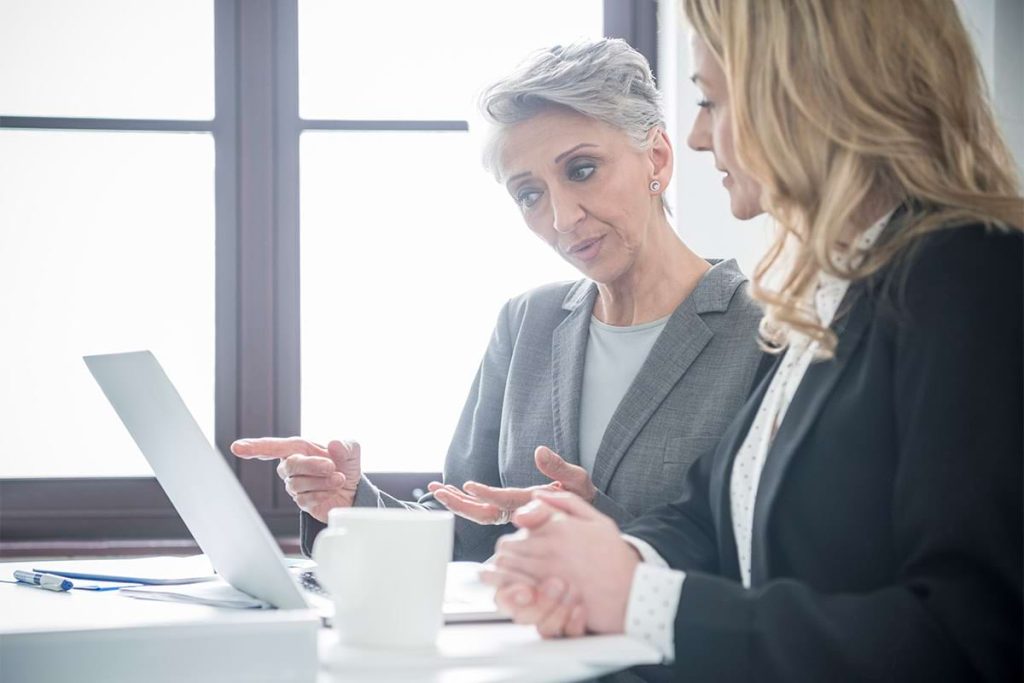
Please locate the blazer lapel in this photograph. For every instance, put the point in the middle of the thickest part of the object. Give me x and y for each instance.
(568, 351)
(684, 337)
(666, 363)
(721, 471)
(807, 402)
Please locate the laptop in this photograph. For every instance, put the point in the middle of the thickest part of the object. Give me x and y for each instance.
(209, 498)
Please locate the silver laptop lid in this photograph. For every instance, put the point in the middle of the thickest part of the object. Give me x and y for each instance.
(195, 477)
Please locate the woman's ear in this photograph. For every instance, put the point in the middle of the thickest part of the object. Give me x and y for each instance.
(660, 156)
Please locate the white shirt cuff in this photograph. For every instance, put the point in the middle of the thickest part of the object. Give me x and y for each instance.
(654, 600)
(647, 552)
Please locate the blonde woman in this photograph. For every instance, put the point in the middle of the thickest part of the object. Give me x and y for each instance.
(862, 517)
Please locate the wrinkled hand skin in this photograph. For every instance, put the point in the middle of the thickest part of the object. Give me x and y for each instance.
(485, 504)
(318, 478)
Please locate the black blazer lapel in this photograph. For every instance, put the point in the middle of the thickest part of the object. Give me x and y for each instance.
(721, 469)
(568, 351)
(665, 365)
(807, 402)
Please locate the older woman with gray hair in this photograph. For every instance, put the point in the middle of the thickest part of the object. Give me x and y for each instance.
(610, 386)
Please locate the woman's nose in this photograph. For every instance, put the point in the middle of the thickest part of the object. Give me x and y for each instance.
(699, 138)
(566, 212)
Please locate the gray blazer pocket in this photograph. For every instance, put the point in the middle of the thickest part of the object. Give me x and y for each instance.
(685, 450)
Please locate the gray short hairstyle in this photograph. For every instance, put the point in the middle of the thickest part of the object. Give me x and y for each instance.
(604, 79)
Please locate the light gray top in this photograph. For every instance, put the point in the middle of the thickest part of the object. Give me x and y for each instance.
(614, 357)
(528, 389)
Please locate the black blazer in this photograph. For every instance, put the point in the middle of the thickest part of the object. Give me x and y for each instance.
(887, 540)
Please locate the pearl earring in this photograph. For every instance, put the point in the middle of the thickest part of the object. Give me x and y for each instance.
(655, 186)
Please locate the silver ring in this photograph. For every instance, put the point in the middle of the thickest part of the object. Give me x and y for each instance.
(504, 518)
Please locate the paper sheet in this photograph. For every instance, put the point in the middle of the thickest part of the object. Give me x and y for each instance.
(217, 593)
(494, 645)
(154, 570)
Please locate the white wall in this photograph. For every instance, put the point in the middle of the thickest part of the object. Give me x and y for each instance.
(1008, 75)
(997, 27)
(700, 202)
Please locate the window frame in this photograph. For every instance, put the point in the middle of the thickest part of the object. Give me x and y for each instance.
(256, 130)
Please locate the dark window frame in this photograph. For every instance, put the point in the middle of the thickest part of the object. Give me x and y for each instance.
(256, 130)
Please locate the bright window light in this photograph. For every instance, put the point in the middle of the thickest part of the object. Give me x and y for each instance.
(107, 58)
(106, 245)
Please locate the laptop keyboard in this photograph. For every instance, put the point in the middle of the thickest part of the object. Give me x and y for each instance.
(307, 580)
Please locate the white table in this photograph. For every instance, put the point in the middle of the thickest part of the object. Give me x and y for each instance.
(89, 636)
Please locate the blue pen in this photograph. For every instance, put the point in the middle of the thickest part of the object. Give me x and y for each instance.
(47, 581)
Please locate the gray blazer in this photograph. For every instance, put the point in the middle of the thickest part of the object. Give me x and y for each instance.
(527, 394)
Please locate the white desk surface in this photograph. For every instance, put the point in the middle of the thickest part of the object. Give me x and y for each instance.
(477, 653)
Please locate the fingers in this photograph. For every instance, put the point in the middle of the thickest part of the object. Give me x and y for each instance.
(533, 515)
(344, 451)
(577, 624)
(554, 607)
(544, 607)
(525, 543)
(298, 464)
(513, 598)
(465, 506)
(521, 564)
(499, 578)
(272, 448)
(552, 466)
(488, 504)
(573, 477)
(569, 503)
(551, 606)
(318, 503)
(506, 498)
(300, 484)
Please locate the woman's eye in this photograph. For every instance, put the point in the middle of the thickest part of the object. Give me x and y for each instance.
(527, 198)
(579, 173)
(705, 103)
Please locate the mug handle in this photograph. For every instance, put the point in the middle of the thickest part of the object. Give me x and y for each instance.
(338, 563)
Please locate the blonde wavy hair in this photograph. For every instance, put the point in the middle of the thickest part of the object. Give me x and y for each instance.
(839, 103)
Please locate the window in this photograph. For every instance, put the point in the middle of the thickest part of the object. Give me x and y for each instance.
(107, 59)
(150, 196)
(106, 220)
(108, 245)
(409, 248)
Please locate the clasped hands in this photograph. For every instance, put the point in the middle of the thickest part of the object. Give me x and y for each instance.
(567, 569)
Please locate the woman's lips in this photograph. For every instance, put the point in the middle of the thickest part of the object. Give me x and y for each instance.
(587, 250)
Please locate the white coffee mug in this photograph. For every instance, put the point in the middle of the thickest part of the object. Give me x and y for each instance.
(385, 570)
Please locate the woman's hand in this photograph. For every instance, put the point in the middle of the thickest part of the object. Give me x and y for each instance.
(561, 536)
(571, 478)
(485, 504)
(552, 605)
(316, 478)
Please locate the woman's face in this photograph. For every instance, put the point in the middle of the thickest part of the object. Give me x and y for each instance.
(584, 188)
(712, 131)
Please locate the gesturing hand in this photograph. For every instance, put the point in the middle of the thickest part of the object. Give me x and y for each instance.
(316, 478)
(572, 478)
(485, 504)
